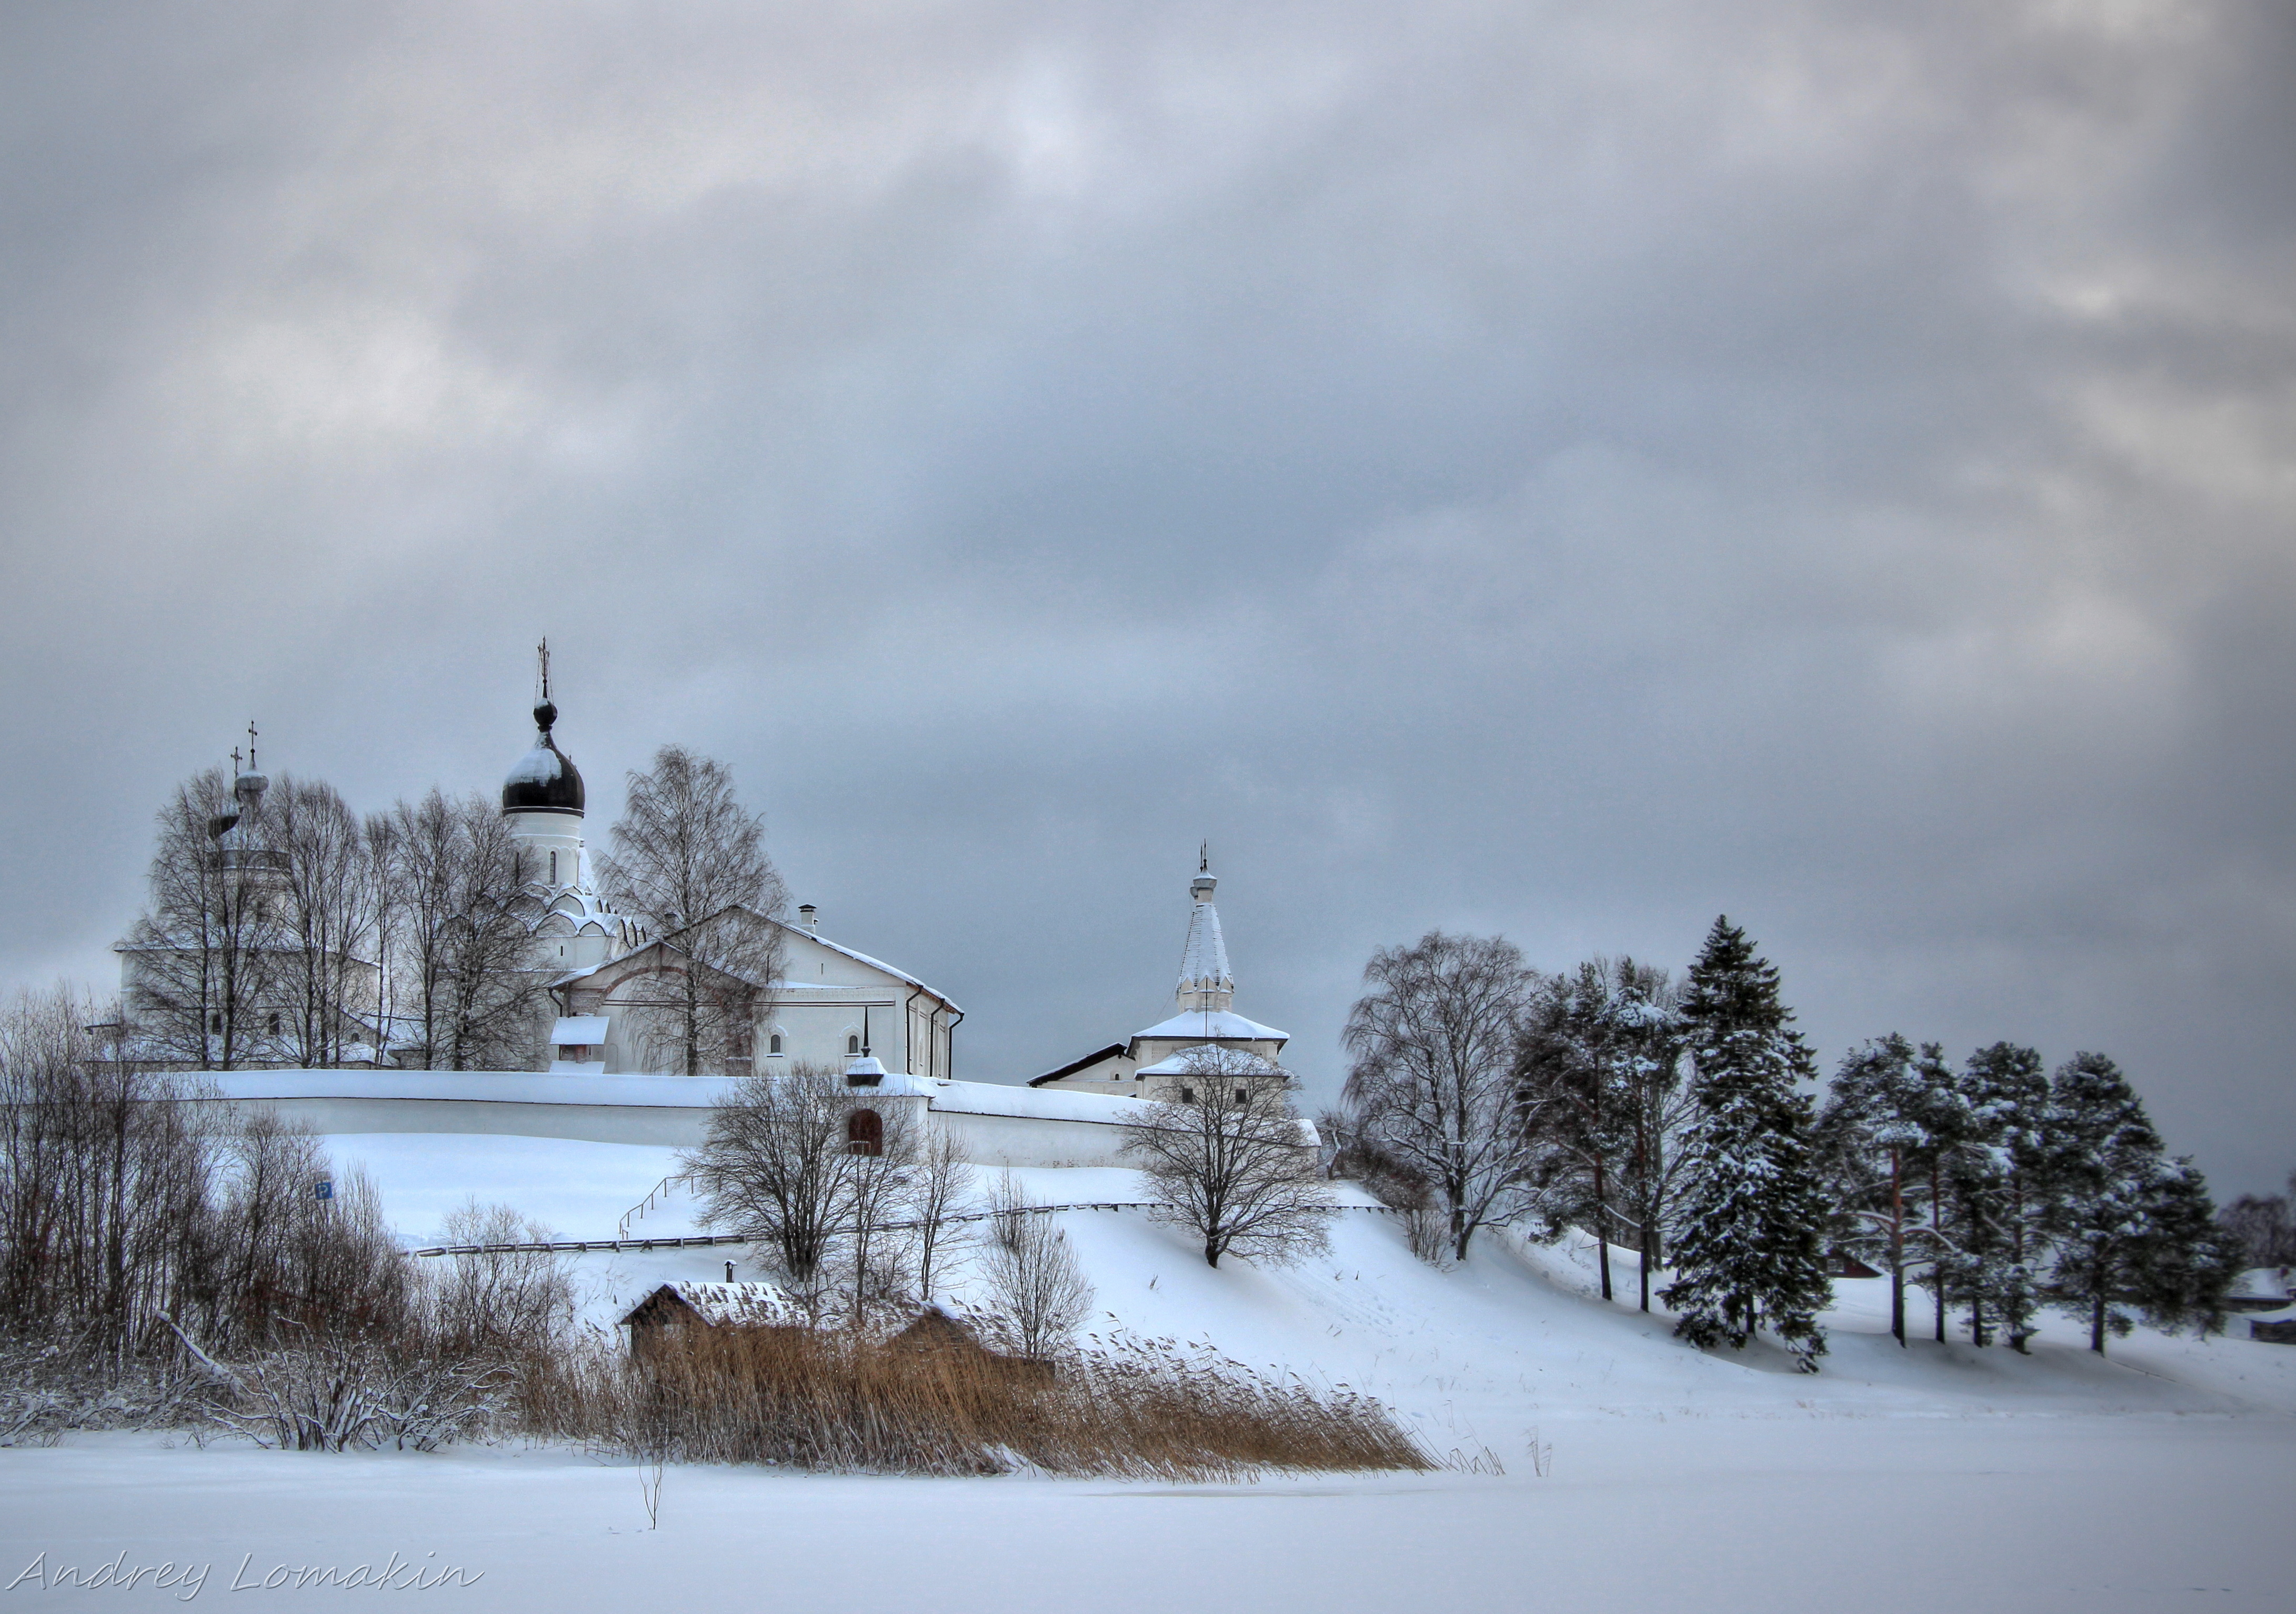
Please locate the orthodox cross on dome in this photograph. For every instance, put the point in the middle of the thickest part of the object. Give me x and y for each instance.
(545, 712)
(250, 747)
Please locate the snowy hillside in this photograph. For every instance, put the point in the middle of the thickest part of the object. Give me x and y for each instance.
(1473, 1356)
(1639, 1474)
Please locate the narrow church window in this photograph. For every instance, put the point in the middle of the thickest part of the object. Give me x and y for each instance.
(1187, 1096)
(853, 1043)
(864, 1132)
(1242, 1097)
(215, 1024)
(554, 876)
(272, 1024)
(774, 1043)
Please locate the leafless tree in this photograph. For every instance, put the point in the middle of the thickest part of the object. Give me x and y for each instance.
(1037, 1292)
(203, 960)
(464, 941)
(882, 1180)
(778, 1164)
(937, 1186)
(329, 911)
(103, 1192)
(684, 852)
(501, 1303)
(1433, 1083)
(1232, 1161)
(697, 1009)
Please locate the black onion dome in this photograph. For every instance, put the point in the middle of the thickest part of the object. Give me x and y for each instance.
(545, 779)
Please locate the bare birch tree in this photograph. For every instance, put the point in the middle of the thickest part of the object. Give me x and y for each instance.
(1434, 1082)
(1241, 1173)
(684, 852)
(469, 995)
(327, 989)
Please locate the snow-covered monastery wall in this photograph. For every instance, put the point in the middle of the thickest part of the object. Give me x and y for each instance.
(994, 1125)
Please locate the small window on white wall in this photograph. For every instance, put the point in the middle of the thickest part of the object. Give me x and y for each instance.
(774, 1045)
(853, 1043)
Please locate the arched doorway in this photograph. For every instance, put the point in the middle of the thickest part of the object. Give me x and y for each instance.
(864, 1132)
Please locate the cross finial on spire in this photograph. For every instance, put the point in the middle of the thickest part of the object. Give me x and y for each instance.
(1204, 858)
(235, 761)
(542, 658)
(250, 745)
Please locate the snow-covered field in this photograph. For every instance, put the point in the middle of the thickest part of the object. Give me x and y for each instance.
(1639, 1474)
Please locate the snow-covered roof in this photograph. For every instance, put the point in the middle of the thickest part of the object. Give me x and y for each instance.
(579, 1030)
(1210, 1024)
(733, 1305)
(540, 765)
(1203, 959)
(863, 958)
(1098, 1056)
(1234, 1061)
(475, 1086)
(1041, 1103)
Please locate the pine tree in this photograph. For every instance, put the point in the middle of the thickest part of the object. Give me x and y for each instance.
(1992, 1204)
(2134, 1231)
(1937, 1098)
(1874, 1142)
(1748, 1252)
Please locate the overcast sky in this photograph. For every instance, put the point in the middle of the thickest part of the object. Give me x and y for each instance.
(1555, 470)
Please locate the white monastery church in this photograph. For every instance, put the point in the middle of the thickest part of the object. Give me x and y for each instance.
(826, 1003)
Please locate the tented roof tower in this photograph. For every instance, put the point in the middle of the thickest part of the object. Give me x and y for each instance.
(1205, 983)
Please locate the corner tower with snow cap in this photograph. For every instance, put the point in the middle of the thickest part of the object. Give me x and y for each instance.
(1169, 1056)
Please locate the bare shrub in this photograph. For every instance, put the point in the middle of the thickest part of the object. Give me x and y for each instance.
(501, 1303)
(1038, 1293)
(346, 1393)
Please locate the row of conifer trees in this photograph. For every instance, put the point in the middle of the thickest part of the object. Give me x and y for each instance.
(1685, 1121)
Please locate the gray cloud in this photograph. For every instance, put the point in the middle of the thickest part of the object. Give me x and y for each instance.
(1563, 472)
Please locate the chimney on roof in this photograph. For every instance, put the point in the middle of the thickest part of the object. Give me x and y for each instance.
(805, 915)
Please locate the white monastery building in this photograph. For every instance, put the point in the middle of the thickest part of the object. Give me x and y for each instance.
(599, 1077)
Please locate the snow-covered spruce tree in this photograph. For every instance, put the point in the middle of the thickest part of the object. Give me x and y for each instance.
(1875, 1146)
(1992, 1202)
(1748, 1251)
(2136, 1234)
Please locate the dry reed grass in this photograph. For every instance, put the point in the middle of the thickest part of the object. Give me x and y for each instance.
(841, 1400)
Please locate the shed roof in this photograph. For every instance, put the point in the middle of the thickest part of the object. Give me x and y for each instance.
(729, 1305)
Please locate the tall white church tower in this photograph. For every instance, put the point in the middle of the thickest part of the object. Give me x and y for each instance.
(542, 802)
